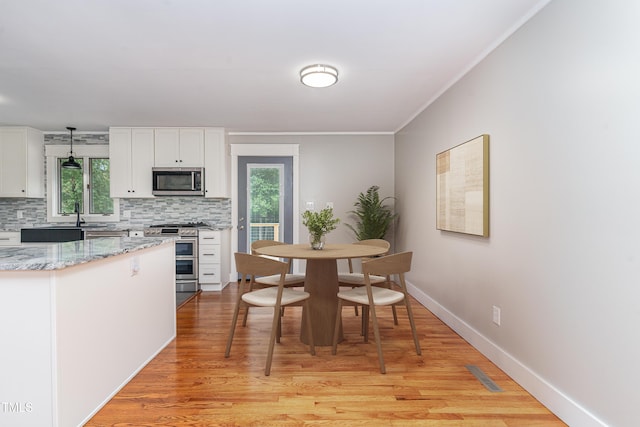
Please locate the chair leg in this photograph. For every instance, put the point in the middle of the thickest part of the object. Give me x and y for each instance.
(310, 330)
(413, 326)
(365, 323)
(244, 317)
(336, 330)
(246, 313)
(279, 332)
(376, 333)
(234, 321)
(272, 339)
(393, 307)
(355, 307)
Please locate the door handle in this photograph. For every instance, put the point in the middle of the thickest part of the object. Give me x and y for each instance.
(241, 227)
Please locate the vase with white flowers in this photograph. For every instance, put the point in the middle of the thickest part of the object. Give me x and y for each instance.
(319, 224)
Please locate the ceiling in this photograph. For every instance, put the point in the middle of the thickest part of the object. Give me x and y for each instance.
(235, 63)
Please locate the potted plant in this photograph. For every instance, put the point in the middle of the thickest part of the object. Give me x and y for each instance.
(319, 224)
(373, 216)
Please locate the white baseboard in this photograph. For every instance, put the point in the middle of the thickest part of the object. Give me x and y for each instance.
(557, 402)
(212, 287)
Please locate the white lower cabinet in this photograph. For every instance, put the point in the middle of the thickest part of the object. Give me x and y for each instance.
(9, 238)
(213, 259)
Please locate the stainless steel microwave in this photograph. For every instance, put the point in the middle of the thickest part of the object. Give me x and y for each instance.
(178, 181)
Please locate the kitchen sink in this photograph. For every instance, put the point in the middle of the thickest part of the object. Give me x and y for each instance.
(51, 234)
(68, 233)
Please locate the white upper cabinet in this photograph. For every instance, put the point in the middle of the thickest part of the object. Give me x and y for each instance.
(21, 162)
(131, 160)
(135, 151)
(215, 163)
(179, 147)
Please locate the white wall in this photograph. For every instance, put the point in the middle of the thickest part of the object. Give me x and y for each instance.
(560, 100)
(336, 168)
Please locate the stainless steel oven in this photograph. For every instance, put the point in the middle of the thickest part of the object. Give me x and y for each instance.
(187, 258)
(186, 252)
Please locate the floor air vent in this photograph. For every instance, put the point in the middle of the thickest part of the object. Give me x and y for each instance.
(483, 378)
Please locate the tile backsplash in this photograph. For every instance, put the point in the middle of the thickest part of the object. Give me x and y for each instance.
(143, 212)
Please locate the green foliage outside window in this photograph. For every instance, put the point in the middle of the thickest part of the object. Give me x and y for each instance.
(101, 201)
(265, 195)
(72, 187)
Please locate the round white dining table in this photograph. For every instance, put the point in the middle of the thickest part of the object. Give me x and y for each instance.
(321, 281)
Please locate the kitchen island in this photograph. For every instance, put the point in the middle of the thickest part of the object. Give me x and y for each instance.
(79, 320)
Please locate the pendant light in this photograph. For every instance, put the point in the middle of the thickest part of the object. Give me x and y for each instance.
(71, 163)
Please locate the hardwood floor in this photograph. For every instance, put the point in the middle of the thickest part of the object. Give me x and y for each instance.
(190, 383)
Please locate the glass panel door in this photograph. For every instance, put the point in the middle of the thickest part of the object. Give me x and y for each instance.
(265, 205)
(264, 201)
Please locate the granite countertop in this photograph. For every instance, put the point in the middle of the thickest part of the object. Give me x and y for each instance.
(55, 256)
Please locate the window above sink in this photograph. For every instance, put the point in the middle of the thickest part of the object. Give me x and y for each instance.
(88, 186)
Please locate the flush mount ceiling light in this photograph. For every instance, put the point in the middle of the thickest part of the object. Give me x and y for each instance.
(71, 163)
(319, 75)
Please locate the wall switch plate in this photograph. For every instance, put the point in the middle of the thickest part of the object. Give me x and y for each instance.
(309, 206)
(496, 315)
(329, 205)
(20, 214)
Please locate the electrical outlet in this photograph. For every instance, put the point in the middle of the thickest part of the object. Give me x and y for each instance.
(496, 315)
(135, 265)
(309, 206)
(329, 205)
(126, 214)
(20, 214)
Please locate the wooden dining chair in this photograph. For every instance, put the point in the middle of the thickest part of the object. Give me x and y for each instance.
(369, 297)
(290, 280)
(357, 279)
(250, 266)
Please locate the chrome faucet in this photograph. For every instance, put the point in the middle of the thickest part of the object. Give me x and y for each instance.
(76, 207)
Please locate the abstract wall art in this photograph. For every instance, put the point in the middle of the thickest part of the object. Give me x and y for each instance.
(462, 188)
